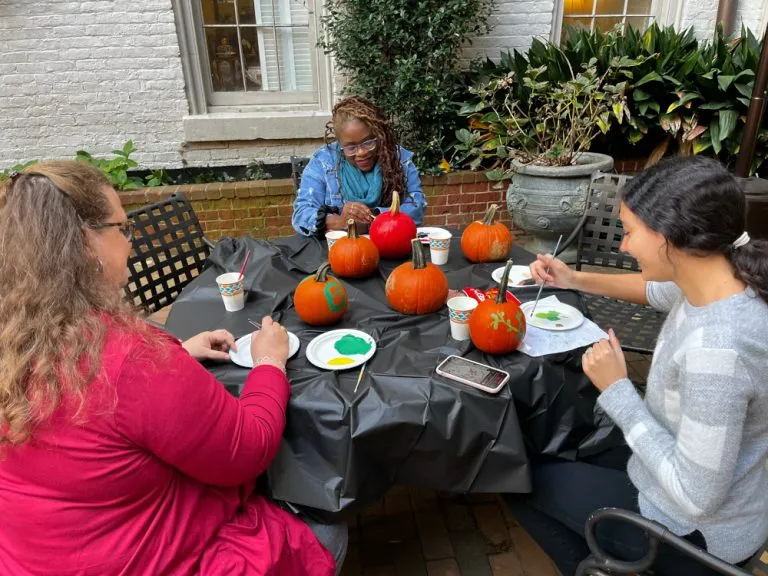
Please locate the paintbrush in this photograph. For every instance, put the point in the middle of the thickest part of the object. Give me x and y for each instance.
(554, 255)
(359, 377)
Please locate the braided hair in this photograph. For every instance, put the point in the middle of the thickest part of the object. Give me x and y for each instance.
(358, 108)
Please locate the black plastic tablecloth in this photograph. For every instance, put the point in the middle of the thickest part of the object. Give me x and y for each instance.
(406, 425)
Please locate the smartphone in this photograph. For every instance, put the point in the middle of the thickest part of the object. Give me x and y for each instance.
(471, 373)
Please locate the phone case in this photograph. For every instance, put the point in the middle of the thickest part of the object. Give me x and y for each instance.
(477, 385)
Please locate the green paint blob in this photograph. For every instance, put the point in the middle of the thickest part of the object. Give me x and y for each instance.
(351, 345)
(552, 315)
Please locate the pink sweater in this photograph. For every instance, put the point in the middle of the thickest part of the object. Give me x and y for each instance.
(155, 479)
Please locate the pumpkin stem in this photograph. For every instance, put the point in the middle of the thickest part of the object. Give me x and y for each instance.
(501, 297)
(395, 207)
(351, 229)
(322, 273)
(490, 214)
(418, 254)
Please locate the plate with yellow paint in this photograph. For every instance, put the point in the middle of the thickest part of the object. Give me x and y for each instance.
(243, 355)
(341, 349)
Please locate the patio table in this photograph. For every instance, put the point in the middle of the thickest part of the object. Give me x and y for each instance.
(406, 425)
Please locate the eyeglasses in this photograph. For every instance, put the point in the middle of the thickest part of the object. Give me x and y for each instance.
(353, 149)
(126, 228)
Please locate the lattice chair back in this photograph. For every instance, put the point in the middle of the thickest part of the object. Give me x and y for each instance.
(297, 168)
(601, 234)
(169, 250)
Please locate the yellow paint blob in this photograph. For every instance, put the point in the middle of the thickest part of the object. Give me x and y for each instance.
(340, 361)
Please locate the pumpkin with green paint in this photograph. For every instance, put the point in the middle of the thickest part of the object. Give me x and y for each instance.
(497, 326)
(320, 299)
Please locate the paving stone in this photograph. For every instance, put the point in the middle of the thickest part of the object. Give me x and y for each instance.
(447, 567)
(458, 517)
(470, 551)
(408, 558)
(423, 500)
(397, 504)
(387, 570)
(490, 521)
(532, 558)
(435, 542)
(507, 564)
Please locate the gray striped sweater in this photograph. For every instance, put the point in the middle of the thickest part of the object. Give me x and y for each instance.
(699, 440)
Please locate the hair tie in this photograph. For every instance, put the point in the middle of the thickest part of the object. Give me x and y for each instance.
(742, 240)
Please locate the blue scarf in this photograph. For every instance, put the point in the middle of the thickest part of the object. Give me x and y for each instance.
(359, 186)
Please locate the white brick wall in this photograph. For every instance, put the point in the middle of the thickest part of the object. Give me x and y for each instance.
(513, 25)
(702, 16)
(89, 74)
(94, 73)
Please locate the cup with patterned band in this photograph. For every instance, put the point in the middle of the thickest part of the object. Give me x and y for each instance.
(334, 235)
(460, 310)
(232, 291)
(439, 246)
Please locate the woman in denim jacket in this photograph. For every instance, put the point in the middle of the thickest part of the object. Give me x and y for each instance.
(355, 175)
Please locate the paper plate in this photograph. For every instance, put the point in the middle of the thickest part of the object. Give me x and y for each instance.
(556, 317)
(423, 232)
(517, 274)
(243, 355)
(340, 349)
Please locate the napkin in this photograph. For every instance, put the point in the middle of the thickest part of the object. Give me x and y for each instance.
(539, 342)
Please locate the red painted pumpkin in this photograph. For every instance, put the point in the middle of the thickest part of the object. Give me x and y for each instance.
(497, 326)
(354, 256)
(485, 240)
(417, 287)
(393, 231)
(320, 299)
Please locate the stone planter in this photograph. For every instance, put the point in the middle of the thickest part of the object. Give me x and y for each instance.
(546, 201)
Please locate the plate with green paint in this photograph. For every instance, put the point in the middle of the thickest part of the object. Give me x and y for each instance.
(555, 316)
(341, 349)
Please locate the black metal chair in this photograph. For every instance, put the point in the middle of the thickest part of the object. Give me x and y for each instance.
(297, 168)
(599, 235)
(601, 564)
(169, 250)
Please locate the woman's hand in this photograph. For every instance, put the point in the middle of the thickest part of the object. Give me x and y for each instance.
(604, 363)
(357, 211)
(559, 275)
(210, 345)
(270, 344)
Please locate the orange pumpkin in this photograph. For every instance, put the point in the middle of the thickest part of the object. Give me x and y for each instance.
(485, 240)
(497, 326)
(354, 256)
(417, 287)
(320, 299)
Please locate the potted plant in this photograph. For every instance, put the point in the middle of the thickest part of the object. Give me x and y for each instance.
(537, 134)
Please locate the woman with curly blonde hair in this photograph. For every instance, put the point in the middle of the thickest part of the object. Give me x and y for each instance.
(119, 452)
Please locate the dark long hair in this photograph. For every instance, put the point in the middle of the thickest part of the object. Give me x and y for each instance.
(699, 207)
(358, 108)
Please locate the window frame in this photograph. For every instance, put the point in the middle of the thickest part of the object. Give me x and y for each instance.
(664, 12)
(258, 104)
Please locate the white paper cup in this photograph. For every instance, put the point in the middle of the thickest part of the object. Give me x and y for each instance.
(231, 290)
(334, 235)
(439, 246)
(460, 310)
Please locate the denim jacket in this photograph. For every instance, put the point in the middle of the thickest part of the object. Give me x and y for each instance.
(320, 187)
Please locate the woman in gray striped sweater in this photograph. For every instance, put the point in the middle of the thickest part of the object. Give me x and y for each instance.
(699, 438)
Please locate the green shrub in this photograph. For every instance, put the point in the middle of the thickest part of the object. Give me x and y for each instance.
(404, 56)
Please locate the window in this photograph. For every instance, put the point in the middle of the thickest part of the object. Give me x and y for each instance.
(253, 57)
(606, 14)
(253, 47)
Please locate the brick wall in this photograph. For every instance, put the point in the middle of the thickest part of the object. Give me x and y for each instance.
(701, 15)
(263, 209)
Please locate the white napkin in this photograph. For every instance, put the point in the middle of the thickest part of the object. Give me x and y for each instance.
(539, 342)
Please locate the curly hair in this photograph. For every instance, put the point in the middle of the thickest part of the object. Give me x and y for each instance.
(358, 108)
(55, 303)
